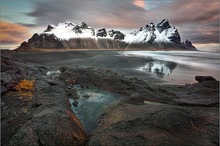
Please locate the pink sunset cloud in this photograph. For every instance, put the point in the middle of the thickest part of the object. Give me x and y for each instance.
(13, 33)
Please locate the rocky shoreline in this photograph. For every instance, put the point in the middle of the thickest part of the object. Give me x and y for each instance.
(148, 114)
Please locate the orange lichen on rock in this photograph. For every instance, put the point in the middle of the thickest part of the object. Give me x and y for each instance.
(25, 87)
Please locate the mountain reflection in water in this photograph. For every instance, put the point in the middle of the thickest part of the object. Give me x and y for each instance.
(160, 68)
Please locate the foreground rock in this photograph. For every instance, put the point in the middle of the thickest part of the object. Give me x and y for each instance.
(12, 71)
(46, 119)
(200, 94)
(114, 82)
(41, 116)
(152, 115)
(194, 122)
(156, 124)
(146, 114)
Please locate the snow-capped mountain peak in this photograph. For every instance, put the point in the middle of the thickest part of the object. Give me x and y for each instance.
(81, 35)
(68, 30)
(161, 32)
(150, 33)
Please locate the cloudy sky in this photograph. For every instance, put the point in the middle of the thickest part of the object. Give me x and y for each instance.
(196, 20)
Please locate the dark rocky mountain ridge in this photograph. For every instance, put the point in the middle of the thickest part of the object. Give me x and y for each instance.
(81, 36)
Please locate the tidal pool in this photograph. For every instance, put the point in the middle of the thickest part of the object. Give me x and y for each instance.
(91, 104)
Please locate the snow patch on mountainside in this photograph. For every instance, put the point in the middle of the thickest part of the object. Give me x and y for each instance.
(163, 36)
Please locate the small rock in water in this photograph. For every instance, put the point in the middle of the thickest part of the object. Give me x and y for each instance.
(75, 103)
(204, 78)
(86, 96)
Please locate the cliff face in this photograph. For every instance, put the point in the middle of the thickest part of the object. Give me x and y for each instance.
(45, 41)
(50, 41)
(81, 36)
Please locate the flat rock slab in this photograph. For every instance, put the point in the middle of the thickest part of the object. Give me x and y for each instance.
(156, 124)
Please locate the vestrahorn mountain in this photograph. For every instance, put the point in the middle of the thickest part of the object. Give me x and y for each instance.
(68, 35)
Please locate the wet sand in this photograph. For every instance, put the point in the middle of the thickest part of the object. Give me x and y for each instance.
(148, 69)
(110, 60)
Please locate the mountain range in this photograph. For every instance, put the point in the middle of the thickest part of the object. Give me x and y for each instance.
(68, 35)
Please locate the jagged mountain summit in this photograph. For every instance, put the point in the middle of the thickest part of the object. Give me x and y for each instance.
(69, 35)
(162, 32)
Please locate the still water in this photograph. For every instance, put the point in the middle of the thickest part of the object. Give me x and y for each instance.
(178, 66)
(91, 104)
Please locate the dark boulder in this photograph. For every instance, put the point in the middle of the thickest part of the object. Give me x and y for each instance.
(204, 78)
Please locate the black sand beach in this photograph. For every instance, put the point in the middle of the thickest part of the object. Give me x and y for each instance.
(110, 60)
(131, 66)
